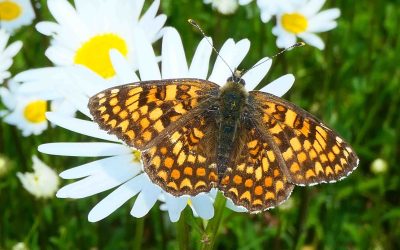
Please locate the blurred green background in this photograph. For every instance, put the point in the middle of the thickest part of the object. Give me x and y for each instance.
(353, 85)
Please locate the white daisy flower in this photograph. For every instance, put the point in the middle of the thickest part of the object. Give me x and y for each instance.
(303, 21)
(43, 182)
(84, 36)
(26, 112)
(121, 169)
(225, 7)
(7, 53)
(15, 13)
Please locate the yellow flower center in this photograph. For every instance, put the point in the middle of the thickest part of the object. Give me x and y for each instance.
(35, 111)
(94, 53)
(9, 10)
(136, 155)
(189, 202)
(295, 23)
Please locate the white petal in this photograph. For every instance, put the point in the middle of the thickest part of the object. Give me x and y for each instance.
(116, 199)
(114, 163)
(312, 7)
(80, 126)
(233, 207)
(124, 72)
(201, 60)
(254, 76)
(313, 40)
(285, 40)
(326, 15)
(175, 206)
(86, 149)
(47, 28)
(321, 27)
(146, 199)
(151, 12)
(13, 49)
(94, 184)
(148, 67)
(233, 54)
(203, 205)
(154, 28)
(66, 16)
(280, 86)
(174, 63)
(221, 71)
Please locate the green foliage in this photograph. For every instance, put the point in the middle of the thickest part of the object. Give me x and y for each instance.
(353, 85)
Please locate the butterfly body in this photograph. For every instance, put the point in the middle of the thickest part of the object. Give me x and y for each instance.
(232, 100)
(195, 135)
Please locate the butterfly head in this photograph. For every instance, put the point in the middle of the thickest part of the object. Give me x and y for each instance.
(237, 78)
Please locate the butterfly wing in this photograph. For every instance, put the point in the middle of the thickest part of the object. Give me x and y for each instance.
(183, 161)
(310, 152)
(254, 178)
(139, 112)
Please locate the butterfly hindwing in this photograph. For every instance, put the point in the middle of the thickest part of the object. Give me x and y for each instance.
(312, 152)
(138, 113)
(183, 161)
(255, 179)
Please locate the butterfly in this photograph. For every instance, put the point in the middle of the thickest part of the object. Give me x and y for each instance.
(195, 135)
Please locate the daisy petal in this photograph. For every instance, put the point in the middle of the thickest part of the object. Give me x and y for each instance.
(201, 60)
(94, 184)
(121, 66)
(173, 55)
(221, 71)
(175, 206)
(313, 40)
(280, 86)
(97, 149)
(116, 199)
(203, 206)
(103, 165)
(148, 67)
(254, 76)
(47, 28)
(146, 199)
(312, 7)
(326, 15)
(80, 126)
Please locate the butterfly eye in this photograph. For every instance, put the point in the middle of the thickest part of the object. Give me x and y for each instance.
(236, 79)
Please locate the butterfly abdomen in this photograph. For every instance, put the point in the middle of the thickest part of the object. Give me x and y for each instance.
(232, 100)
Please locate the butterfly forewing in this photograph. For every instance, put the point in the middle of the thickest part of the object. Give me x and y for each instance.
(255, 179)
(140, 112)
(312, 152)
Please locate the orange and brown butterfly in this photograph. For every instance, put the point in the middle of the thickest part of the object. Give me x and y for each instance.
(195, 135)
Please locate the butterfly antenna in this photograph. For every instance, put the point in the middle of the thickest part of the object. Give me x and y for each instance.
(192, 22)
(299, 44)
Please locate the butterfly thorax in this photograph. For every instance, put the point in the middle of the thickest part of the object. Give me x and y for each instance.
(232, 101)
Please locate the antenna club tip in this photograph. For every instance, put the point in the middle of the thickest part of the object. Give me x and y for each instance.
(299, 44)
(191, 21)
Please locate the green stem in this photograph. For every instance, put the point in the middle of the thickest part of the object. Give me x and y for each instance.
(214, 224)
(183, 230)
(137, 241)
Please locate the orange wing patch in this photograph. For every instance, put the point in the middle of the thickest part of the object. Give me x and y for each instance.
(255, 179)
(312, 152)
(137, 113)
(183, 162)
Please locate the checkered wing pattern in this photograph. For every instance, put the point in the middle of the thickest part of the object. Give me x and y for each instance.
(311, 152)
(140, 112)
(255, 179)
(183, 162)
